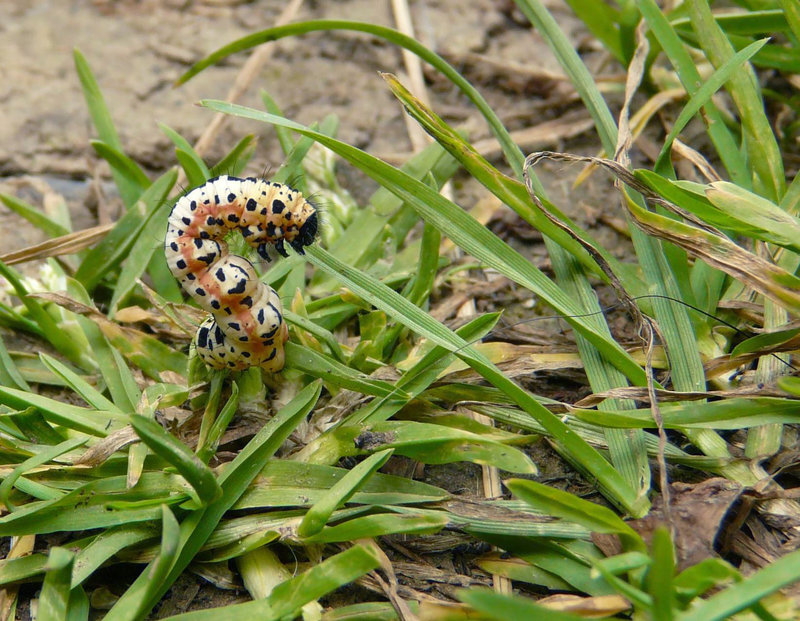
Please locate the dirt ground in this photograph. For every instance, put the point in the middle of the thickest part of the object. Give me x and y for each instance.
(136, 50)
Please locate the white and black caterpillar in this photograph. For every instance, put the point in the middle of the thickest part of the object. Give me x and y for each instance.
(246, 326)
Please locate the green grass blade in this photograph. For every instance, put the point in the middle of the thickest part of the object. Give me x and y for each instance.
(50, 330)
(9, 373)
(510, 149)
(80, 419)
(628, 451)
(115, 246)
(567, 506)
(163, 280)
(45, 455)
(659, 577)
(198, 525)
(285, 483)
(511, 192)
(87, 392)
(372, 526)
(750, 22)
(288, 598)
(319, 514)
(128, 190)
(759, 139)
(422, 374)
(498, 607)
(148, 245)
(175, 453)
(726, 414)
(134, 608)
(78, 605)
(440, 444)
(579, 75)
(323, 335)
(326, 368)
(726, 146)
(41, 221)
(698, 579)
(105, 546)
(292, 167)
(102, 502)
(270, 105)
(195, 173)
(603, 22)
(701, 97)
(185, 150)
(778, 574)
(124, 166)
(791, 11)
(54, 597)
(236, 160)
(210, 440)
(118, 377)
(673, 321)
(771, 222)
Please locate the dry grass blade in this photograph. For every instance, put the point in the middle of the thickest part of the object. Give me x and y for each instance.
(66, 244)
(105, 448)
(636, 70)
(697, 159)
(243, 80)
(402, 15)
(614, 281)
(642, 394)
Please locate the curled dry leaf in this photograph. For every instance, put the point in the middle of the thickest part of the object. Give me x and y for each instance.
(697, 514)
(105, 448)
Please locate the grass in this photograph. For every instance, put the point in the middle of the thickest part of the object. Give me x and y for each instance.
(120, 488)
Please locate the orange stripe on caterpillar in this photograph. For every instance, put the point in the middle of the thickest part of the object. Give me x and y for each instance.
(246, 327)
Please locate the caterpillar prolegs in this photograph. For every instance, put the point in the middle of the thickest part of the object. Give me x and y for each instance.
(246, 325)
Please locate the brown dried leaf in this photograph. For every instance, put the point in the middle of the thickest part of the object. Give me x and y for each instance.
(697, 513)
(158, 322)
(105, 448)
(597, 607)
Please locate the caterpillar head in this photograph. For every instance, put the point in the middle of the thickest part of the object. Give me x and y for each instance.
(307, 234)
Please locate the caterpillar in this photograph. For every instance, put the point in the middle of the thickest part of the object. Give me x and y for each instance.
(246, 326)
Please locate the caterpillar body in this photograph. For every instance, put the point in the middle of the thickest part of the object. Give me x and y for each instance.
(246, 326)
